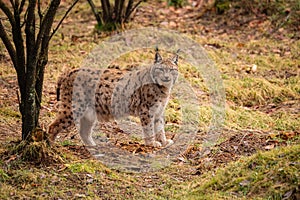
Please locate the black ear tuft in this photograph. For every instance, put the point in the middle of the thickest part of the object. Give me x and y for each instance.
(158, 58)
(175, 59)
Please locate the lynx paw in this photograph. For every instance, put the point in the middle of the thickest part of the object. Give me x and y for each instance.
(89, 142)
(168, 142)
(157, 144)
(153, 144)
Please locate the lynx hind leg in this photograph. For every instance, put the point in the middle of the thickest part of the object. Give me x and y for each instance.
(62, 121)
(160, 132)
(86, 125)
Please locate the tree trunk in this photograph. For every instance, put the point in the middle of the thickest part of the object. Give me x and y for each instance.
(115, 14)
(30, 68)
(29, 108)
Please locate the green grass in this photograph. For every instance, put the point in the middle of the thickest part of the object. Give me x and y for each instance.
(285, 121)
(9, 112)
(173, 112)
(67, 143)
(257, 91)
(239, 117)
(86, 166)
(266, 175)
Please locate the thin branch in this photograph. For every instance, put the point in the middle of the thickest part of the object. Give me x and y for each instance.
(96, 13)
(12, 3)
(128, 11)
(120, 7)
(46, 24)
(17, 4)
(40, 10)
(20, 50)
(106, 9)
(117, 8)
(8, 44)
(21, 6)
(63, 18)
(25, 19)
(129, 6)
(8, 13)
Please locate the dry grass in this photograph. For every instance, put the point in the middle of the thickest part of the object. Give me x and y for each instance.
(265, 101)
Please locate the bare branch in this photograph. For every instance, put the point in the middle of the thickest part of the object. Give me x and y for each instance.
(106, 9)
(17, 3)
(25, 19)
(40, 10)
(46, 24)
(94, 10)
(18, 42)
(119, 6)
(12, 3)
(63, 18)
(8, 44)
(8, 13)
(130, 9)
(21, 6)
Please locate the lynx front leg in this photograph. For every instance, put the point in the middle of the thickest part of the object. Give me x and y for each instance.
(63, 120)
(147, 120)
(86, 125)
(160, 131)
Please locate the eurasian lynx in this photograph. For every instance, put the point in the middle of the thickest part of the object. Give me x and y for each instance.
(105, 94)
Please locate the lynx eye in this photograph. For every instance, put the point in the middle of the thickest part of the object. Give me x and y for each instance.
(160, 69)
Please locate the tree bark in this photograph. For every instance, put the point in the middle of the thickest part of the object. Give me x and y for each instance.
(119, 6)
(107, 16)
(30, 68)
(29, 108)
(96, 13)
(113, 15)
(42, 54)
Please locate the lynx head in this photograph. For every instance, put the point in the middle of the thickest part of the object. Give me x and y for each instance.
(165, 72)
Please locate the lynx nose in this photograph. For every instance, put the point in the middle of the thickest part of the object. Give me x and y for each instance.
(167, 78)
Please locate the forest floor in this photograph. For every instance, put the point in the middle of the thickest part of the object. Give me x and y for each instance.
(257, 154)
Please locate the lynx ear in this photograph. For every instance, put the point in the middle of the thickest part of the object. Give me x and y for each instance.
(175, 59)
(158, 58)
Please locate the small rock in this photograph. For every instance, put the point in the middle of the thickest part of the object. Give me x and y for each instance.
(164, 23)
(269, 147)
(244, 183)
(80, 195)
(254, 68)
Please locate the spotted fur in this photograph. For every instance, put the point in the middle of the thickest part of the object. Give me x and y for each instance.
(86, 95)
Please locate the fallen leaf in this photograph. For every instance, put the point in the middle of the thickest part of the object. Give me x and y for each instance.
(288, 194)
